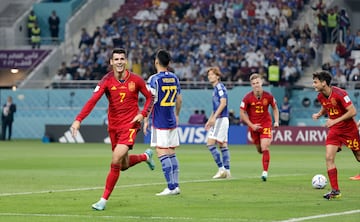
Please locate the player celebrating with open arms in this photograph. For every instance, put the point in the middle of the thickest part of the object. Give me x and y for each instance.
(122, 89)
(343, 129)
(254, 111)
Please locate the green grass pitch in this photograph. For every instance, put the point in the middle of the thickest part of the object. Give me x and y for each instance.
(59, 182)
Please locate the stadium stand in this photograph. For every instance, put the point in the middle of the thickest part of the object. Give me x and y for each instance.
(229, 39)
(221, 34)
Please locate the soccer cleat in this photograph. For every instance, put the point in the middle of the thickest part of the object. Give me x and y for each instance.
(227, 174)
(264, 175)
(176, 191)
(334, 194)
(167, 192)
(100, 205)
(357, 177)
(220, 174)
(150, 162)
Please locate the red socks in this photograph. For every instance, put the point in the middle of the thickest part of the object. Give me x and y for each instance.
(111, 180)
(266, 159)
(332, 173)
(137, 158)
(114, 173)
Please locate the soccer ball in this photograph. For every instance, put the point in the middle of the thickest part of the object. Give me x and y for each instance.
(319, 181)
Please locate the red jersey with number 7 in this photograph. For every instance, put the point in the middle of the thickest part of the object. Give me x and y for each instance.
(123, 99)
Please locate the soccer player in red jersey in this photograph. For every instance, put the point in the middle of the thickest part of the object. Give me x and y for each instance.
(356, 177)
(254, 111)
(122, 89)
(342, 126)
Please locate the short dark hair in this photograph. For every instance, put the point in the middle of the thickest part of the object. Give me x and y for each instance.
(164, 57)
(323, 75)
(118, 51)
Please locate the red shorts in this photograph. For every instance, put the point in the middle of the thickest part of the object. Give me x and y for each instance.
(349, 138)
(123, 136)
(260, 134)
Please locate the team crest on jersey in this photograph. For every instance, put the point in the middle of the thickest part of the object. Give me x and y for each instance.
(333, 101)
(113, 88)
(131, 86)
(265, 102)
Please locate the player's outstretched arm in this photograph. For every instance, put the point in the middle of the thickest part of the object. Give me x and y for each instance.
(75, 127)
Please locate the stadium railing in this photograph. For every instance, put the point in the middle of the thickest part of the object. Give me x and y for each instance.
(81, 84)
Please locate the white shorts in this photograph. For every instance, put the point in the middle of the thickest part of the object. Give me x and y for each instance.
(219, 131)
(164, 138)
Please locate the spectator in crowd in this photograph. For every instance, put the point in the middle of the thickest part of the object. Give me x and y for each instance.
(64, 68)
(31, 20)
(285, 112)
(85, 38)
(320, 5)
(7, 118)
(340, 79)
(195, 118)
(357, 41)
(233, 120)
(326, 66)
(274, 73)
(355, 73)
(332, 23)
(349, 40)
(304, 56)
(322, 25)
(35, 36)
(290, 74)
(54, 22)
(250, 9)
(203, 114)
(340, 52)
(344, 24)
(198, 117)
(348, 69)
(202, 37)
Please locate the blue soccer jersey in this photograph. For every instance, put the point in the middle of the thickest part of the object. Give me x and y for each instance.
(165, 86)
(218, 93)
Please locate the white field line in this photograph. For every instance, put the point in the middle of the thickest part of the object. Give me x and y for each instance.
(321, 216)
(142, 218)
(130, 185)
(163, 218)
(178, 218)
